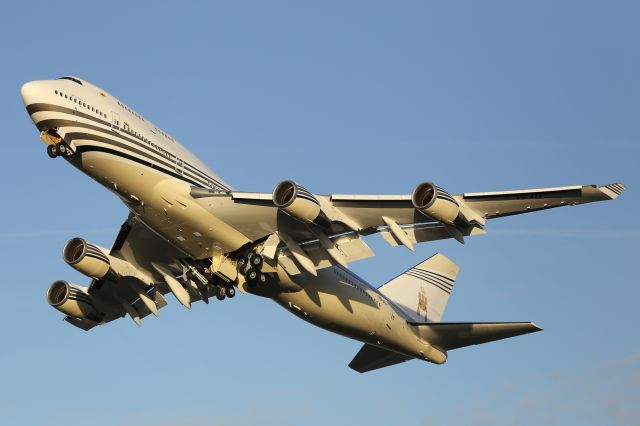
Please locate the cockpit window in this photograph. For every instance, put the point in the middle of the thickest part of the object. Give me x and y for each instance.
(75, 80)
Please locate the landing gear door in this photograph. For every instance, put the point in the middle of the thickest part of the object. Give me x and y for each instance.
(115, 120)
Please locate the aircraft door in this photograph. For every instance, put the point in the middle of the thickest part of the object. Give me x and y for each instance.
(115, 120)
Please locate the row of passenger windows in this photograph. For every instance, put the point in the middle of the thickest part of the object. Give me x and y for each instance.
(128, 130)
(130, 110)
(126, 108)
(82, 104)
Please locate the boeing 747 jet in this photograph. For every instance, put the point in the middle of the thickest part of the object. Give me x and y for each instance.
(192, 235)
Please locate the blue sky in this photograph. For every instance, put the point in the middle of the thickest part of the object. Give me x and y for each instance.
(344, 97)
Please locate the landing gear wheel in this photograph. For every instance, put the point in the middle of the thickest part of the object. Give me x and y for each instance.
(63, 149)
(262, 279)
(220, 293)
(242, 264)
(255, 260)
(252, 274)
(52, 151)
(230, 292)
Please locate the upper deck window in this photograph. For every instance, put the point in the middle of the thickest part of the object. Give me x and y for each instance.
(75, 80)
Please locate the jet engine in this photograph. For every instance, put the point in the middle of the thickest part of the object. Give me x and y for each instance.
(88, 259)
(298, 202)
(435, 202)
(71, 300)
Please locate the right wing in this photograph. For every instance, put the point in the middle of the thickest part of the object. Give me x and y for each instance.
(147, 265)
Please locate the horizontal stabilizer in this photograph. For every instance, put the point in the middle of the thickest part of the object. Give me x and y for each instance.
(453, 335)
(372, 358)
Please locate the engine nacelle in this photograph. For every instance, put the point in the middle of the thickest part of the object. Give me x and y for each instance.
(72, 300)
(435, 202)
(297, 201)
(88, 259)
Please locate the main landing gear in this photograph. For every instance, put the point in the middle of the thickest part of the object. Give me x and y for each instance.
(59, 150)
(223, 292)
(206, 283)
(251, 268)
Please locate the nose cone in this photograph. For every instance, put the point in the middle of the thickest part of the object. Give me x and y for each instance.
(30, 91)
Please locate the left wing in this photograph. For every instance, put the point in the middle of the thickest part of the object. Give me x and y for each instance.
(314, 231)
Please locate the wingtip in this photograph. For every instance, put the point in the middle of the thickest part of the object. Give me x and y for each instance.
(536, 327)
(613, 190)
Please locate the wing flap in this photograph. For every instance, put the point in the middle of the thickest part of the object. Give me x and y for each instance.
(351, 246)
(423, 232)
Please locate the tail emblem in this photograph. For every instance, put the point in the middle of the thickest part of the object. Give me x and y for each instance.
(422, 303)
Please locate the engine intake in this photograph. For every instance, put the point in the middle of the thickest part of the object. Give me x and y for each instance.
(435, 202)
(72, 300)
(298, 202)
(88, 259)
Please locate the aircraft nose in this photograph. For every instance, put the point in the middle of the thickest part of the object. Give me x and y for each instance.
(30, 91)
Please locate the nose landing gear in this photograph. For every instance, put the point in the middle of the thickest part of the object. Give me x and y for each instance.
(60, 149)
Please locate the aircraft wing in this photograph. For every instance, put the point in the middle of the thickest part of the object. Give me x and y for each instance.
(368, 210)
(139, 293)
(346, 218)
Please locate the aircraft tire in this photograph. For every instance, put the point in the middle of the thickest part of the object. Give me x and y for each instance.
(63, 149)
(52, 151)
(220, 293)
(230, 292)
(252, 274)
(262, 279)
(255, 261)
(242, 264)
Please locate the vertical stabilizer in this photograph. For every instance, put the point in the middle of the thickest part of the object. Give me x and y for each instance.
(423, 291)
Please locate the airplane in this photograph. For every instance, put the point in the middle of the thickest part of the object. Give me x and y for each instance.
(191, 234)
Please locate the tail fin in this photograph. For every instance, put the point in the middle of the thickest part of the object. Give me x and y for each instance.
(423, 291)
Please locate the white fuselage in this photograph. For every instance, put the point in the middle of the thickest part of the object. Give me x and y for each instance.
(153, 174)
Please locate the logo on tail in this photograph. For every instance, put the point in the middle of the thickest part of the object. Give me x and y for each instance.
(422, 303)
